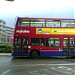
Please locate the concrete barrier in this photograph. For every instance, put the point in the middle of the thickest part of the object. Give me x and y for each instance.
(5, 54)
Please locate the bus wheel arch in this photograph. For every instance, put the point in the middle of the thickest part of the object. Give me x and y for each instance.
(35, 53)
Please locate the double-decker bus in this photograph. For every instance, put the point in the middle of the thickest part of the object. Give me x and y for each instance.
(41, 37)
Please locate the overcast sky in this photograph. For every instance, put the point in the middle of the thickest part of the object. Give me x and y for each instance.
(36, 8)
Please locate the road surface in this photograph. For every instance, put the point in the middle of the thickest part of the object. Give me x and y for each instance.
(42, 66)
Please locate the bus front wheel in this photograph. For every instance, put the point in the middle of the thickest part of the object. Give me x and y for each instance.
(35, 54)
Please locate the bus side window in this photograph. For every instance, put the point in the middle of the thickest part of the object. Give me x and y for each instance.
(37, 41)
(52, 42)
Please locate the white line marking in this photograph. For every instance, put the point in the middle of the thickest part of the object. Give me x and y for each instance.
(61, 71)
(69, 64)
(5, 72)
(63, 67)
(36, 72)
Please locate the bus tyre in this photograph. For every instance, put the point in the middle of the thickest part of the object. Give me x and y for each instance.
(35, 54)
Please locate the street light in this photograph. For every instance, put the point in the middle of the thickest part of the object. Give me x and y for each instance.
(10, 0)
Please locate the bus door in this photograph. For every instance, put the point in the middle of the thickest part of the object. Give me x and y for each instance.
(68, 46)
(18, 46)
(24, 46)
(21, 46)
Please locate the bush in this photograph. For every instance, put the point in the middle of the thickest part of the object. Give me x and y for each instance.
(5, 47)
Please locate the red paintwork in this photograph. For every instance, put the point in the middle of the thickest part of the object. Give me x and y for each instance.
(33, 34)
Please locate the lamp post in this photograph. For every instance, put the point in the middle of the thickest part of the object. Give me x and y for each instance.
(10, 0)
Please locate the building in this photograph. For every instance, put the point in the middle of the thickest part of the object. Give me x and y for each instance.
(9, 33)
(5, 32)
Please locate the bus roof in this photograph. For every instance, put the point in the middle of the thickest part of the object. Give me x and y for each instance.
(48, 18)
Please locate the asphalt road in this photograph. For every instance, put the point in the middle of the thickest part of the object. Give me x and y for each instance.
(42, 66)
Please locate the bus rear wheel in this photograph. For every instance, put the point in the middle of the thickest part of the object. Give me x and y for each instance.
(35, 54)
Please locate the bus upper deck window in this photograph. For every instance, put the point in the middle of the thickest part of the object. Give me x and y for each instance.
(67, 23)
(37, 23)
(23, 22)
(52, 23)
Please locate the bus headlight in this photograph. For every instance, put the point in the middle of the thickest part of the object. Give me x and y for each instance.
(29, 46)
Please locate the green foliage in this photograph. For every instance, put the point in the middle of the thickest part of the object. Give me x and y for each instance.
(5, 47)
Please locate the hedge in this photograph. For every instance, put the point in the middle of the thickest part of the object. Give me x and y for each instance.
(5, 47)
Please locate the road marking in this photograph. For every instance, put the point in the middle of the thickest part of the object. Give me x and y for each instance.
(5, 72)
(36, 72)
(63, 69)
(68, 64)
(67, 68)
(56, 67)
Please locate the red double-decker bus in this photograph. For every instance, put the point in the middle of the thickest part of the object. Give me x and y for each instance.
(39, 37)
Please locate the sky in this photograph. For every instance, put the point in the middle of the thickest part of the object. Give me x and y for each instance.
(9, 11)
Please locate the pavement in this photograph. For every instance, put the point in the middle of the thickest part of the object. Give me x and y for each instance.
(10, 54)
(5, 54)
